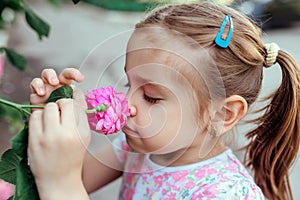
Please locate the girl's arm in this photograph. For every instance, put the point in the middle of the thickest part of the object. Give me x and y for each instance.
(100, 169)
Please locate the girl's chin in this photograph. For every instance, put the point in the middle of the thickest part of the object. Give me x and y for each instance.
(136, 145)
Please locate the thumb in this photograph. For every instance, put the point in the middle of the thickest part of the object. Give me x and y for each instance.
(79, 97)
(82, 124)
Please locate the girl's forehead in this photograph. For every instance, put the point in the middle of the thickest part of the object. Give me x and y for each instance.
(157, 65)
(162, 64)
(156, 37)
(164, 46)
(142, 72)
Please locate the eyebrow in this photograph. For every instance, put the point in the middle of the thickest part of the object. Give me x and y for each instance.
(154, 86)
(148, 82)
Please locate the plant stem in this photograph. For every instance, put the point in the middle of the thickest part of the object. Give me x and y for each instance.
(26, 111)
(18, 106)
(8, 103)
(90, 111)
(22, 107)
(31, 106)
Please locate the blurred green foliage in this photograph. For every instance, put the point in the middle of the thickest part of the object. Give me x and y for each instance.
(11, 117)
(133, 5)
(8, 10)
(14, 167)
(125, 5)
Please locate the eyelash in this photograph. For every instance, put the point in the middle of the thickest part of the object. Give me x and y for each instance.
(151, 99)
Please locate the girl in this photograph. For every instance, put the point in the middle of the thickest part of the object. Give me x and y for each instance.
(193, 71)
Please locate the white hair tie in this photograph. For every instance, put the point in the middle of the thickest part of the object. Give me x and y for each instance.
(272, 52)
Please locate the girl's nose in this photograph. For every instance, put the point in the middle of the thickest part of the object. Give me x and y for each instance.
(132, 111)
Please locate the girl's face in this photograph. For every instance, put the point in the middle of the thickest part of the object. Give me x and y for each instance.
(165, 112)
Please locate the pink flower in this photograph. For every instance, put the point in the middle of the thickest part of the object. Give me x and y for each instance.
(179, 175)
(211, 191)
(158, 180)
(171, 196)
(200, 173)
(189, 185)
(6, 190)
(110, 110)
(212, 171)
(176, 188)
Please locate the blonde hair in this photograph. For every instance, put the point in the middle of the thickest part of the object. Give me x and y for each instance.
(274, 144)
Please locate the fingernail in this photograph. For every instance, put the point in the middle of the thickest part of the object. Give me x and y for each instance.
(41, 90)
(54, 80)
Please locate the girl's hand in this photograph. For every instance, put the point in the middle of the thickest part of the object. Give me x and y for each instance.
(58, 139)
(41, 88)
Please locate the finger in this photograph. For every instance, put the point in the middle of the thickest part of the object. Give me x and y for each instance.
(35, 126)
(37, 100)
(74, 117)
(51, 117)
(37, 86)
(35, 132)
(49, 76)
(82, 125)
(67, 115)
(70, 74)
(79, 97)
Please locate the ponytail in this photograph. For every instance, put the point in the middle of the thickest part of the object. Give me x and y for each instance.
(274, 144)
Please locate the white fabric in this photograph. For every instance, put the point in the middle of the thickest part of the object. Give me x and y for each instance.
(272, 53)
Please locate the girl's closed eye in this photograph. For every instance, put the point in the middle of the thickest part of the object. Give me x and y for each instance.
(151, 100)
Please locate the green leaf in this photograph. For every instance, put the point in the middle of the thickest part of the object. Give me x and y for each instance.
(25, 184)
(75, 1)
(20, 142)
(12, 4)
(36, 23)
(8, 164)
(65, 91)
(16, 59)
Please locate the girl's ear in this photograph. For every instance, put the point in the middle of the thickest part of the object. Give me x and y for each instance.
(234, 109)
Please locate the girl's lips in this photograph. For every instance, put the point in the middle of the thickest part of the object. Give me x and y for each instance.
(129, 131)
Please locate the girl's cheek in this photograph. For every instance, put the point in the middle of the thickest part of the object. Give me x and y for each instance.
(152, 121)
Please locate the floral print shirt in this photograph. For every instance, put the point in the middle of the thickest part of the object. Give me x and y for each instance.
(221, 177)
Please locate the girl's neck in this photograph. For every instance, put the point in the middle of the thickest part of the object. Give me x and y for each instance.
(186, 156)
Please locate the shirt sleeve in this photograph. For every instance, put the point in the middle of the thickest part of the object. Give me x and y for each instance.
(230, 190)
(244, 190)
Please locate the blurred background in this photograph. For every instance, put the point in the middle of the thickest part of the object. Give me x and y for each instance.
(76, 30)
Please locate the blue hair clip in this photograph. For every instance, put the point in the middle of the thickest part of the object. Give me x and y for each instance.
(219, 40)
